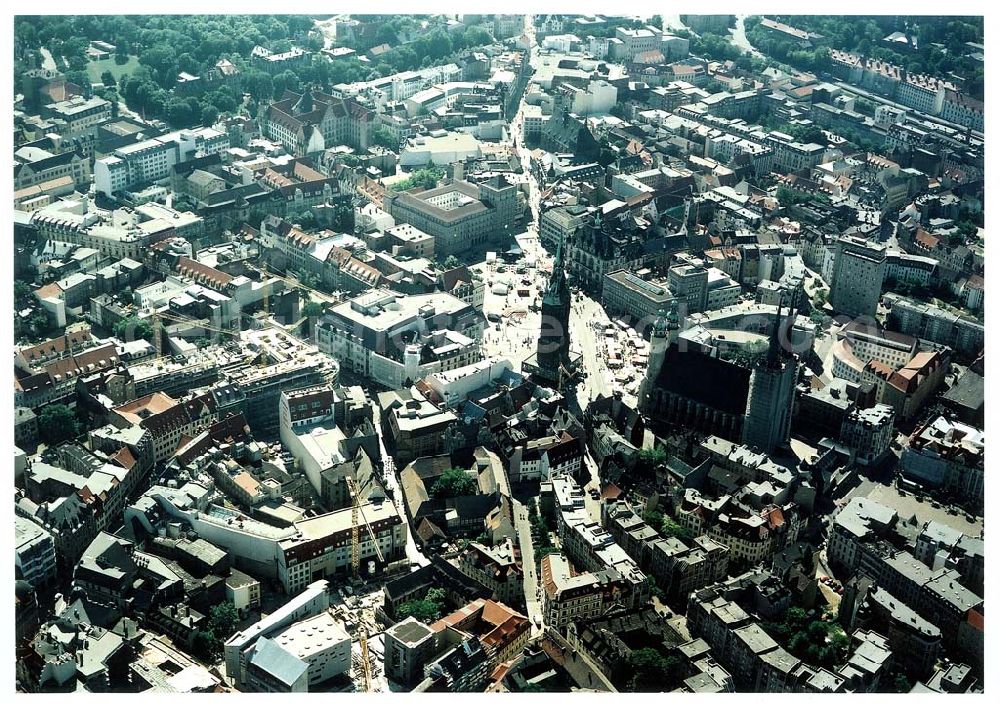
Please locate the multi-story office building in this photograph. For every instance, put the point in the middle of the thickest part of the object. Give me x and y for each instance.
(409, 644)
(240, 647)
(790, 155)
(636, 41)
(569, 598)
(460, 215)
(859, 268)
(857, 530)
(496, 567)
(626, 293)
(962, 110)
(299, 657)
(559, 224)
(386, 337)
(151, 160)
(38, 167)
(925, 320)
(293, 555)
(271, 62)
(689, 283)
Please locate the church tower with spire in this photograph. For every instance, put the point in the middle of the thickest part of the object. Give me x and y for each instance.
(553, 339)
(768, 420)
(663, 335)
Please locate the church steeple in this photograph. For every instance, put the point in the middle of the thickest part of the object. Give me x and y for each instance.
(553, 339)
(557, 289)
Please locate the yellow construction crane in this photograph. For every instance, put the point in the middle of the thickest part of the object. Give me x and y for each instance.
(357, 514)
(366, 666)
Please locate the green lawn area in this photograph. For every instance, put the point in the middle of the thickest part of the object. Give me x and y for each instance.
(96, 68)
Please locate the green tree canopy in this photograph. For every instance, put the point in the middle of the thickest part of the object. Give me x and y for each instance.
(223, 620)
(454, 482)
(650, 671)
(649, 459)
(451, 261)
(807, 134)
(133, 328)
(429, 609)
(671, 529)
(787, 197)
(312, 309)
(384, 137)
(22, 290)
(426, 178)
(57, 423)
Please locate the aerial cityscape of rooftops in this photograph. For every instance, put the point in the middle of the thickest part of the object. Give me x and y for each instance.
(499, 353)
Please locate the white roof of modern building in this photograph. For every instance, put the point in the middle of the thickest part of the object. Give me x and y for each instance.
(417, 413)
(902, 612)
(312, 635)
(382, 309)
(238, 522)
(636, 33)
(408, 233)
(323, 444)
(276, 618)
(942, 533)
(410, 631)
(946, 586)
(450, 141)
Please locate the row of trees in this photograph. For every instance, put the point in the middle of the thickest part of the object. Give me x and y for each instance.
(785, 50)
(940, 43)
(541, 541)
(711, 46)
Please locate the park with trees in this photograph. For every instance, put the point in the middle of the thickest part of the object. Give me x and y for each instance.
(162, 46)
